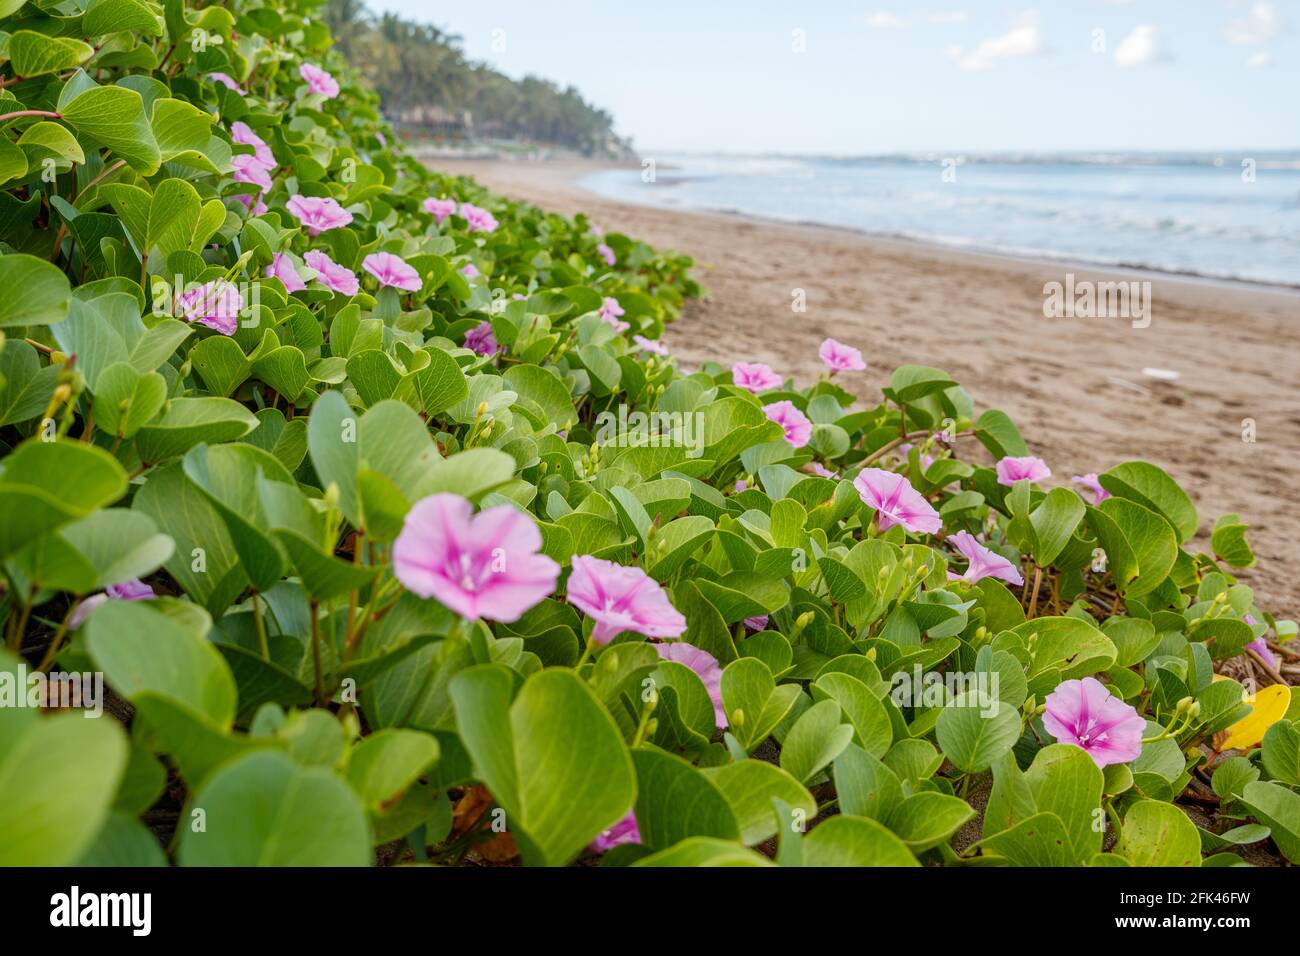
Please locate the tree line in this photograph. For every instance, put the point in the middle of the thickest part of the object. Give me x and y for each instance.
(426, 83)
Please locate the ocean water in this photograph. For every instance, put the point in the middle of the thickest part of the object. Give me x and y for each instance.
(1199, 214)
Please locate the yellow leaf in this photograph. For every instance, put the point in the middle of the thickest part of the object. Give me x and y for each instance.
(1270, 705)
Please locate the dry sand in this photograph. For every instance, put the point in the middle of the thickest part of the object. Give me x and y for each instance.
(1075, 387)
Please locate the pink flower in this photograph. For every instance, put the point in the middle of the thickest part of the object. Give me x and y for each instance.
(606, 253)
(625, 831)
(896, 501)
(757, 623)
(132, 590)
(481, 339)
(334, 276)
(480, 566)
(392, 271)
(241, 133)
(470, 271)
(479, 220)
(1089, 481)
(795, 424)
(705, 666)
(741, 485)
(610, 310)
(216, 304)
(440, 209)
(621, 599)
(905, 450)
(256, 207)
(227, 81)
(318, 213)
(754, 377)
(1087, 715)
(282, 268)
(1260, 647)
(820, 470)
(318, 81)
(1026, 468)
(841, 358)
(597, 231)
(650, 345)
(248, 169)
(983, 562)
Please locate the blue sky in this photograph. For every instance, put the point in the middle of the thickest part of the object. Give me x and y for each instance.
(907, 75)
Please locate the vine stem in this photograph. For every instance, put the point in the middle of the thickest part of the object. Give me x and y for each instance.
(315, 654)
(57, 639)
(261, 628)
(20, 114)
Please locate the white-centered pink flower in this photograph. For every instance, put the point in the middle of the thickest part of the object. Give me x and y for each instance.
(1085, 714)
(440, 209)
(248, 169)
(984, 563)
(1089, 481)
(318, 81)
(754, 377)
(606, 253)
(333, 276)
(619, 599)
(228, 82)
(282, 268)
(1025, 468)
(841, 358)
(896, 501)
(794, 423)
(318, 213)
(479, 566)
(706, 667)
(216, 304)
(478, 219)
(650, 345)
(243, 134)
(610, 312)
(392, 271)
(130, 590)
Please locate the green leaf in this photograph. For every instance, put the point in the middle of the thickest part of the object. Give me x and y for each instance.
(35, 54)
(1065, 781)
(384, 765)
(816, 738)
(1054, 522)
(266, 810)
(750, 787)
(753, 702)
(1160, 834)
(925, 820)
(975, 734)
(46, 485)
(557, 799)
(118, 16)
(1153, 489)
(854, 841)
(1280, 809)
(1228, 542)
(191, 421)
(45, 291)
(872, 729)
(126, 401)
(676, 801)
(113, 117)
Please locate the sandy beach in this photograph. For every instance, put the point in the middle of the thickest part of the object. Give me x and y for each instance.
(1075, 386)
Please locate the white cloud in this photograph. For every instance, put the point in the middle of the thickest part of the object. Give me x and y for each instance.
(1140, 48)
(943, 18)
(1258, 26)
(1260, 60)
(1024, 39)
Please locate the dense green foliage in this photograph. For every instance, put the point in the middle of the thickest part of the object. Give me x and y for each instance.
(425, 80)
(282, 698)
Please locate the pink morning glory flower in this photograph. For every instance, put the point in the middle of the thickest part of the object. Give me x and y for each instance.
(841, 358)
(440, 209)
(318, 81)
(132, 590)
(754, 377)
(610, 310)
(650, 345)
(480, 566)
(1026, 468)
(1260, 647)
(706, 668)
(216, 304)
(248, 169)
(481, 339)
(1089, 481)
(334, 276)
(621, 599)
(625, 831)
(318, 213)
(984, 563)
(243, 134)
(392, 270)
(1085, 714)
(606, 253)
(470, 271)
(227, 81)
(282, 268)
(757, 623)
(820, 470)
(896, 501)
(479, 219)
(795, 424)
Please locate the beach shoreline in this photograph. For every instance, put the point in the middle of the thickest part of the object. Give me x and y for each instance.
(1075, 386)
